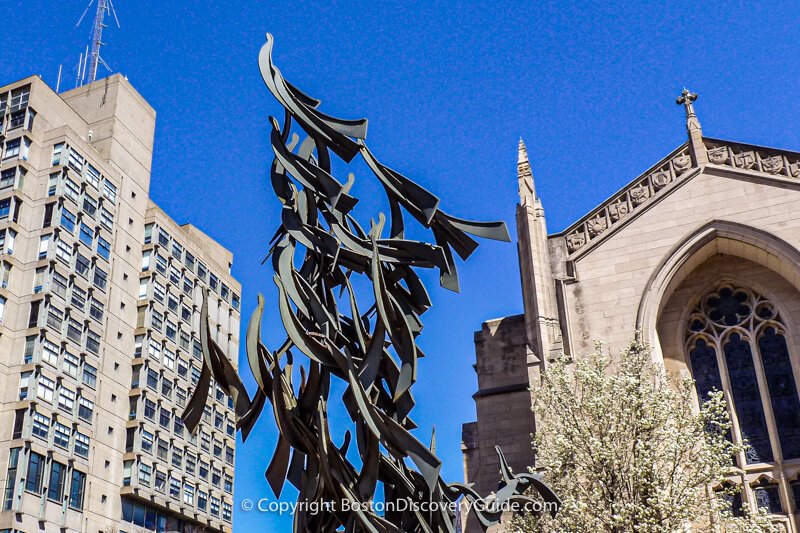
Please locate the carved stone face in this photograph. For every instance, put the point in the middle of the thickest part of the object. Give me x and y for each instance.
(597, 225)
(661, 179)
(718, 155)
(618, 210)
(639, 194)
(682, 162)
(575, 241)
(773, 164)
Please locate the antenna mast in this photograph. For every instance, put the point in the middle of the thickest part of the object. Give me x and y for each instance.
(104, 7)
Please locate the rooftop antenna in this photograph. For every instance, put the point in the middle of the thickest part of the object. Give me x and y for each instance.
(104, 8)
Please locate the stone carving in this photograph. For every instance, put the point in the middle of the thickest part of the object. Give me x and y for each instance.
(618, 210)
(773, 164)
(718, 155)
(622, 205)
(575, 241)
(661, 179)
(597, 225)
(745, 159)
(640, 194)
(682, 163)
(794, 169)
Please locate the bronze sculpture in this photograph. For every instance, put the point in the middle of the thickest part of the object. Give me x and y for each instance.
(373, 350)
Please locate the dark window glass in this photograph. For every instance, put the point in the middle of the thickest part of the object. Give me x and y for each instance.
(747, 399)
(782, 390)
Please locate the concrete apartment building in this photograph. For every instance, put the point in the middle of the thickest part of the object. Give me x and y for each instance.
(701, 255)
(100, 294)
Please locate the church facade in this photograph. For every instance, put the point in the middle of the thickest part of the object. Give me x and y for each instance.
(701, 255)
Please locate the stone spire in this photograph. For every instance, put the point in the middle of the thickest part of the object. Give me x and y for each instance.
(538, 284)
(696, 145)
(527, 191)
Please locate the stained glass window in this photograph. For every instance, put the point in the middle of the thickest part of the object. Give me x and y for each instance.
(736, 336)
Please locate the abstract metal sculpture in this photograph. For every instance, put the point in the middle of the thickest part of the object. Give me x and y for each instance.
(373, 350)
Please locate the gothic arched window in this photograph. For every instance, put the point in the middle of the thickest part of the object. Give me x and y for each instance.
(736, 342)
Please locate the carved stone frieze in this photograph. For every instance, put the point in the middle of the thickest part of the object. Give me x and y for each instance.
(773, 164)
(620, 206)
(745, 159)
(718, 155)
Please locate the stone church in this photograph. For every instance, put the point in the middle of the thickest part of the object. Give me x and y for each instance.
(701, 254)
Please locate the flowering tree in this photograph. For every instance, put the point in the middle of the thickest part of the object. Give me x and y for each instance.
(627, 450)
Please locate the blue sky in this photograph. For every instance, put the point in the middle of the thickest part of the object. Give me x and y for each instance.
(448, 87)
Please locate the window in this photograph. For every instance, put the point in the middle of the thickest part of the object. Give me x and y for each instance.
(228, 455)
(5, 208)
(7, 240)
(174, 487)
(71, 190)
(127, 468)
(76, 489)
(228, 483)
(163, 238)
(92, 342)
(41, 426)
(226, 511)
(734, 331)
(55, 317)
(30, 344)
(145, 474)
(143, 288)
(147, 441)
(82, 265)
(172, 331)
(149, 409)
(216, 476)
(78, 297)
(174, 275)
(191, 460)
(146, 260)
(158, 292)
(92, 176)
(24, 383)
(202, 500)
(161, 480)
(12, 149)
(89, 375)
(57, 150)
(66, 399)
(67, 220)
(44, 246)
(61, 435)
(50, 352)
(203, 470)
(86, 235)
(63, 251)
(235, 301)
(33, 480)
(96, 310)
(163, 449)
(89, 206)
(189, 261)
(103, 248)
(164, 417)
(109, 191)
(11, 478)
(188, 493)
(201, 271)
(85, 409)
(7, 178)
(58, 285)
(70, 365)
(100, 278)
(156, 320)
(45, 389)
(177, 457)
(214, 506)
(106, 219)
(152, 379)
(55, 487)
(81, 445)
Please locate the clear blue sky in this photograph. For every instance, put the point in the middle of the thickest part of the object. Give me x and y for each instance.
(449, 88)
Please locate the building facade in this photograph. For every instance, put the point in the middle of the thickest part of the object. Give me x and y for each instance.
(701, 255)
(100, 294)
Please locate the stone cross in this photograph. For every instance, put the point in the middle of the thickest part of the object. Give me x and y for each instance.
(686, 99)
